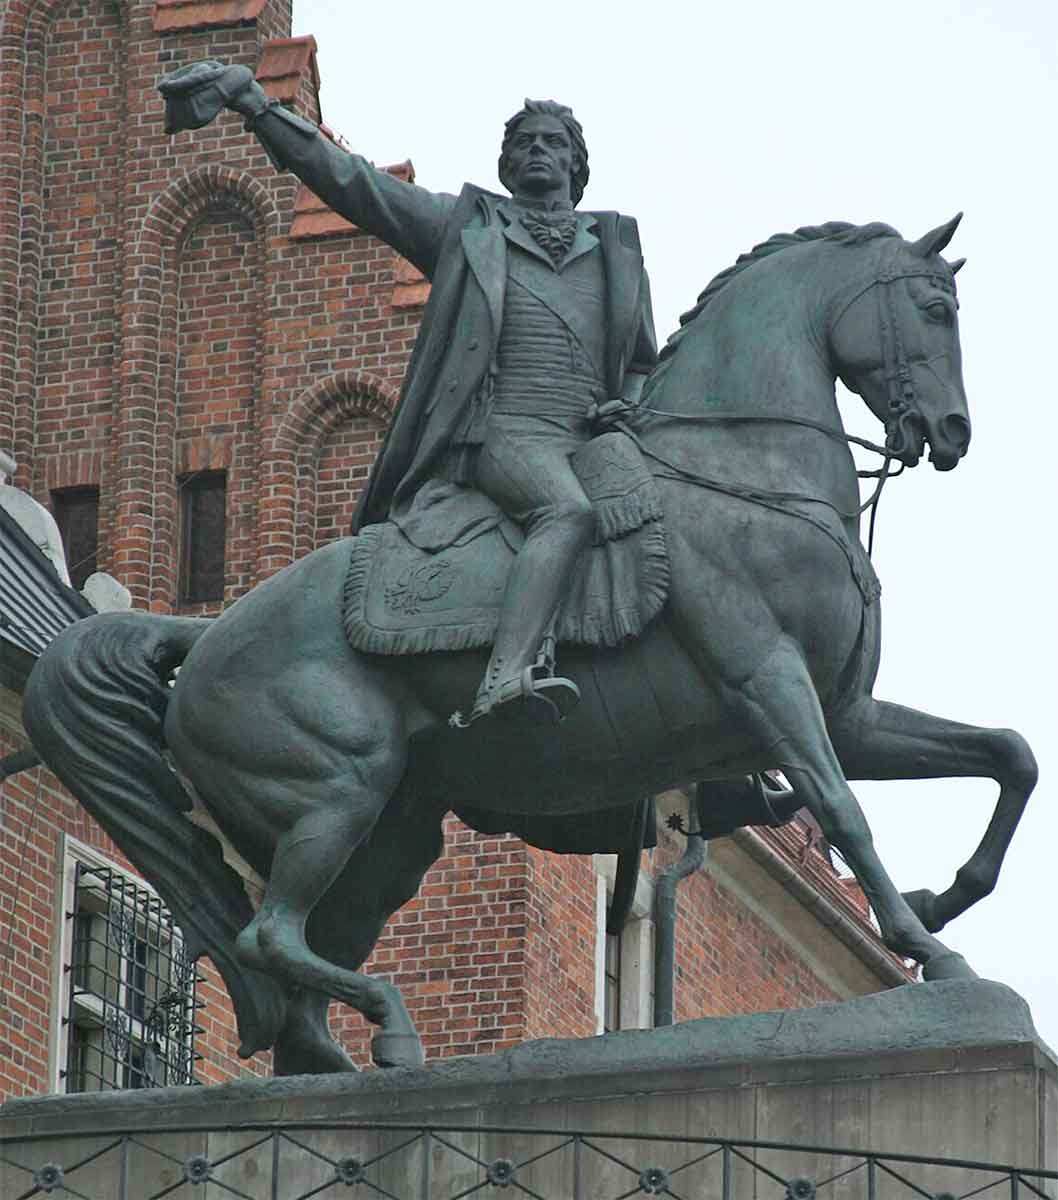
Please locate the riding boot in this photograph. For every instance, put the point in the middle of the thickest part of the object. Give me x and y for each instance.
(521, 666)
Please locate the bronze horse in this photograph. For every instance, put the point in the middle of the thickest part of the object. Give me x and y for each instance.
(330, 770)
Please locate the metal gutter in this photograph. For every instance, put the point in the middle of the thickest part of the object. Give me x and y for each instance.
(665, 885)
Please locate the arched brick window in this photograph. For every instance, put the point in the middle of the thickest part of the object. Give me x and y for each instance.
(318, 462)
(341, 469)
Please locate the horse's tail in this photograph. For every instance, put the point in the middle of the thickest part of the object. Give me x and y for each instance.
(94, 709)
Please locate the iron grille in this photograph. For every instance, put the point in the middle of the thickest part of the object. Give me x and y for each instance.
(133, 990)
(297, 1161)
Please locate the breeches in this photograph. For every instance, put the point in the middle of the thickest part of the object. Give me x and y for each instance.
(524, 466)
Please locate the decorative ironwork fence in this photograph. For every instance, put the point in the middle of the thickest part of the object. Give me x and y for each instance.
(299, 1161)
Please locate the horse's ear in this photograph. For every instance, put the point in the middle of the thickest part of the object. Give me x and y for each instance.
(935, 241)
(957, 265)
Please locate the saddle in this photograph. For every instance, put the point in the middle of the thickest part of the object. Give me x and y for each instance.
(434, 579)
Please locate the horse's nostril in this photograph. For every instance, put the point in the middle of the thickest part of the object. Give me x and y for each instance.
(955, 430)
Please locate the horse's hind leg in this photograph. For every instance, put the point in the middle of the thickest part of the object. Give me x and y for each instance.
(381, 875)
(876, 740)
(305, 1045)
(778, 703)
(327, 820)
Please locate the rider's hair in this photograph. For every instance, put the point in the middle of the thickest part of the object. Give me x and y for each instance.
(550, 108)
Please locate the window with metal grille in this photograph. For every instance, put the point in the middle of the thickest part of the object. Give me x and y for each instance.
(130, 1020)
(76, 512)
(203, 507)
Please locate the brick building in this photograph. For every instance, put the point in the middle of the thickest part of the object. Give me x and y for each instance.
(197, 363)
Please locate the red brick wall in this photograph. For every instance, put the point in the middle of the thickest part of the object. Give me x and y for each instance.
(560, 999)
(27, 890)
(77, 298)
(728, 960)
(341, 469)
(458, 951)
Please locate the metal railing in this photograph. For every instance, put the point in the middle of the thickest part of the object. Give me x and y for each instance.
(296, 1161)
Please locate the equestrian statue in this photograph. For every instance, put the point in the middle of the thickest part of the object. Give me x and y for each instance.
(581, 573)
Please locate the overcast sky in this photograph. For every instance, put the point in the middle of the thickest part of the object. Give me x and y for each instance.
(720, 128)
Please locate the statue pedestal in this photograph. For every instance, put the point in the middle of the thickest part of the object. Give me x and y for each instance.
(943, 1070)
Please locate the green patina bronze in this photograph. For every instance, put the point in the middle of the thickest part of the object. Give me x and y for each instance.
(330, 769)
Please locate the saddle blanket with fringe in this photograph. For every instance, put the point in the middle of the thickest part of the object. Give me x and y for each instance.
(435, 579)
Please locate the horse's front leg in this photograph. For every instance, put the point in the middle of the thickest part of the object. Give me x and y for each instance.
(876, 740)
(779, 706)
(762, 679)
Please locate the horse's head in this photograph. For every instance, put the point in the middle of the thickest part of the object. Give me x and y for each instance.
(894, 339)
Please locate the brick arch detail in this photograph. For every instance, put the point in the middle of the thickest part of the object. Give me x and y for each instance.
(21, 16)
(288, 504)
(145, 552)
(174, 210)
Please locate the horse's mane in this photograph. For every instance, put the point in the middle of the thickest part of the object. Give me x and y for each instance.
(840, 232)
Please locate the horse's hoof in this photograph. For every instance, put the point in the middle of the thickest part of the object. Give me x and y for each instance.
(923, 904)
(949, 965)
(397, 1050)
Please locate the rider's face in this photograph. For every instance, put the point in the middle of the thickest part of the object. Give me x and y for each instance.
(540, 159)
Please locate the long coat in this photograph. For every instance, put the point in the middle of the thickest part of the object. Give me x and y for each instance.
(458, 243)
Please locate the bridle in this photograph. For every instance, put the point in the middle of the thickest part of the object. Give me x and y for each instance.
(902, 407)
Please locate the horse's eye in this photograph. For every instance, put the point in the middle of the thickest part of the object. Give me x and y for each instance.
(939, 311)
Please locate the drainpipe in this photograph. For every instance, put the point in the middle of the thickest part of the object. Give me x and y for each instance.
(692, 860)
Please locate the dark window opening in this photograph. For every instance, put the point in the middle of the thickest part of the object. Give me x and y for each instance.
(76, 513)
(203, 501)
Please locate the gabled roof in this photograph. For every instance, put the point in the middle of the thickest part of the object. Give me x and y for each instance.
(173, 15)
(35, 604)
(284, 63)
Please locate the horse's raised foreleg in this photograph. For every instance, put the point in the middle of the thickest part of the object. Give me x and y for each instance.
(779, 705)
(876, 740)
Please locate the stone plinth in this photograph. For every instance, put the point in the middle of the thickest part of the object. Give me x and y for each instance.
(943, 1070)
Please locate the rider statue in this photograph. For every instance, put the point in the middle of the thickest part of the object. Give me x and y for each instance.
(537, 333)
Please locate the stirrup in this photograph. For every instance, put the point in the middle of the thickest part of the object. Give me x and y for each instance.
(534, 692)
(540, 684)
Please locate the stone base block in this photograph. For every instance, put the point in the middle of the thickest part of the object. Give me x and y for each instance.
(949, 1070)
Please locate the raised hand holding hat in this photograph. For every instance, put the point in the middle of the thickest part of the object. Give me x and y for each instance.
(195, 94)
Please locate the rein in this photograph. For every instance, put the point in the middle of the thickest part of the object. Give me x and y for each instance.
(779, 501)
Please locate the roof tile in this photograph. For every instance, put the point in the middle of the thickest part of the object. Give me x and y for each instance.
(172, 15)
(313, 218)
(284, 63)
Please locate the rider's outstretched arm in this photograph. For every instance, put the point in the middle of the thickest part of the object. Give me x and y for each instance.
(406, 217)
